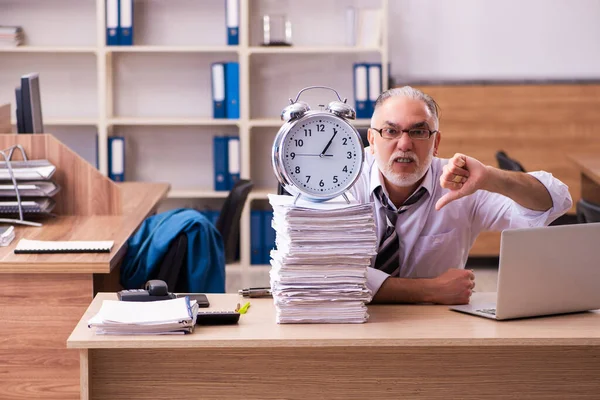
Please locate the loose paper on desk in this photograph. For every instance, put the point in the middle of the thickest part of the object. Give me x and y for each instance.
(319, 269)
(27, 246)
(176, 316)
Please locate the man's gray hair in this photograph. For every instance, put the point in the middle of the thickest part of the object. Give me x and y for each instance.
(411, 93)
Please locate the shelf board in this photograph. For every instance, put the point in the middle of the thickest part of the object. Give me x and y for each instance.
(261, 194)
(196, 193)
(204, 193)
(66, 122)
(313, 50)
(49, 49)
(274, 122)
(172, 49)
(172, 121)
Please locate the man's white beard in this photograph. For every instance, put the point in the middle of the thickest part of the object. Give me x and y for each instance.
(404, 179)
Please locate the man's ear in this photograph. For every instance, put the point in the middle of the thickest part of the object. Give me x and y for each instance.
(436, 144)
(371, 140)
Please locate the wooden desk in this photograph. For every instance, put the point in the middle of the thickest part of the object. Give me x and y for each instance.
(403, 352)
(589, 169)
(42, 296)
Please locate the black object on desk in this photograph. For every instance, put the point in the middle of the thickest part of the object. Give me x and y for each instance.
(217, 317)
(154, 290)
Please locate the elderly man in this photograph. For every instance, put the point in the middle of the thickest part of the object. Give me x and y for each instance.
(429, 210)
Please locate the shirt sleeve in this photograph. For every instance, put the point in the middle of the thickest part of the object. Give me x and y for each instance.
(375, 279)
(495, 212)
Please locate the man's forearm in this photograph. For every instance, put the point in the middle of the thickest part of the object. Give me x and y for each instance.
(524, 189)
(401, 290)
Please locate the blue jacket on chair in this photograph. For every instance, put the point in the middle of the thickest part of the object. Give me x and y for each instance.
(205, 254)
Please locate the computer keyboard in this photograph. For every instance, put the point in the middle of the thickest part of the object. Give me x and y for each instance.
(491, 311)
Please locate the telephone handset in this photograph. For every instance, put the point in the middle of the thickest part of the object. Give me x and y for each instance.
(154, 290)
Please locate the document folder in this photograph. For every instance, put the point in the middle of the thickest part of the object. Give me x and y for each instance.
(33, 170)
(233, 22)
(29, 189)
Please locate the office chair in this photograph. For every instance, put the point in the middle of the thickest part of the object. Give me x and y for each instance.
(507, 163)
(228, 223)
(363, 135)
(587, 212)
(510, 164)
(170, 266)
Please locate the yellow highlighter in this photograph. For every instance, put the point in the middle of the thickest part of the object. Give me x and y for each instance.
(244, 308)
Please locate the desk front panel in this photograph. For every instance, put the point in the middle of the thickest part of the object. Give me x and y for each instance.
(353, 372)
(37, 314)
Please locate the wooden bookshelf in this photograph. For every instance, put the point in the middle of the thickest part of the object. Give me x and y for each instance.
(156, 93)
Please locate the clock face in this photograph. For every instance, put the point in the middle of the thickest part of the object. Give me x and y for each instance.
(322, 155)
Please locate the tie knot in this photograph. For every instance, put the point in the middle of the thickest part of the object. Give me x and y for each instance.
(383, 199)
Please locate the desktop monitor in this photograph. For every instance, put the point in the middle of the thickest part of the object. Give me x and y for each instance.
(29, 105)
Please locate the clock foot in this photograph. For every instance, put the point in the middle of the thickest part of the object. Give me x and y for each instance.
(346, 198)
(296, 198)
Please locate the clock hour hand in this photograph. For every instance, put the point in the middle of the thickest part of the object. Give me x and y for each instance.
(328, 143)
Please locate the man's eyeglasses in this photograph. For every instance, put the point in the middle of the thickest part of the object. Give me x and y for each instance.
(413, 133)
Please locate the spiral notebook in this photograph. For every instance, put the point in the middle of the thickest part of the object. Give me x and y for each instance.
(26, 246)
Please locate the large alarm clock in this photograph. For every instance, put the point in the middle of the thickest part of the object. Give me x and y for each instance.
(317, 154)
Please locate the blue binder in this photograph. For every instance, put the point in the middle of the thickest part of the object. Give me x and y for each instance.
(211, 215)
(218, 89)
(375, 84)
(232, 22)
(221, 162)
(268, 235)
(361, 90)
(112, 22)
(256, 237)
(232, 90)
(116, 158)
(126, 23)
(233, 160)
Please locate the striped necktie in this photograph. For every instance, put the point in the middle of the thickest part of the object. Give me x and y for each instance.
(389, 248)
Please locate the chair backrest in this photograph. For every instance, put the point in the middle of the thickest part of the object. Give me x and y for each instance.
(587, 212)
(507, 163)
(228, 223)
(171, 265)
(363, 132)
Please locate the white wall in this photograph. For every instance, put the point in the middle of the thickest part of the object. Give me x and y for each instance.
(486, 39)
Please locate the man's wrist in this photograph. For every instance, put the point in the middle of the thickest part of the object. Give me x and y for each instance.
(429, 290)
(490, 183)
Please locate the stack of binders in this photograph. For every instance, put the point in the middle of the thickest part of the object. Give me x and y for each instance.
(34, 184)
(367, 88)
(119, 22)
(262, 237)
(319, 270)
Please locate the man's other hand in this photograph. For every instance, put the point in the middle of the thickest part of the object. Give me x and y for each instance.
(463, 175)
(454, 286)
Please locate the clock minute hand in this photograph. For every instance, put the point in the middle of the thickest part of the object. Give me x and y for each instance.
(328, 143)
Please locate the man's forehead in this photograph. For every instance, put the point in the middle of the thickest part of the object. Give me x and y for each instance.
(403, 110)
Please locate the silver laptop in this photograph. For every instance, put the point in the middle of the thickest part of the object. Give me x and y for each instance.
(544, 271)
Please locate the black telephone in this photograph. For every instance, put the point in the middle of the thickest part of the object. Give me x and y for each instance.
(153, 290)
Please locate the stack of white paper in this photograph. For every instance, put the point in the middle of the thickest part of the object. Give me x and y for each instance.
(11, 36)
(176, 316)
(319, 270)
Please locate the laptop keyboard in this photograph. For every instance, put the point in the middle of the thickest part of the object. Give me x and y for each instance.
(491, 311)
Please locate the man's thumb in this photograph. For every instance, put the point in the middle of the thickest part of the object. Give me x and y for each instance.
(447, 198)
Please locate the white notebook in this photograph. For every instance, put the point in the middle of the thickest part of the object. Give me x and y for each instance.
(26, 246)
